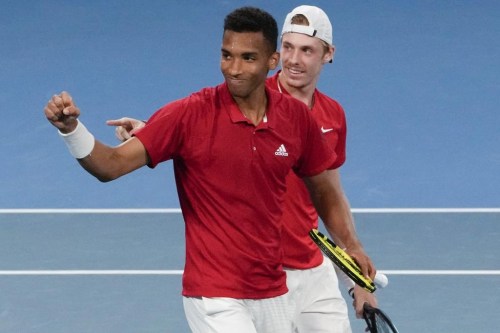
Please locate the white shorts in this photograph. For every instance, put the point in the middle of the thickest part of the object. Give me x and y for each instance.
(320, 306)
(230, 315)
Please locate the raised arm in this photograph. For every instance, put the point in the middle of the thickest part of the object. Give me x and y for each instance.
(104, 162)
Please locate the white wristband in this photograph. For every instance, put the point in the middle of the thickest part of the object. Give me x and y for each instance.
(80, 142)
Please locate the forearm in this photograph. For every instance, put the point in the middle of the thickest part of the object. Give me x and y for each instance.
(103, 162)
(335, 212)
(340, 224)
(109, 163)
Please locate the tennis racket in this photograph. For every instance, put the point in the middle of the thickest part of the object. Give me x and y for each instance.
(376, 320)
(346, 263)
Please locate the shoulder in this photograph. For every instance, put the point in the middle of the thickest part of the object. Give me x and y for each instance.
(325, 100)
(284, 101)
(201, 97)
(327, 109)
(180, 108)
(287, 107)
(205, 95)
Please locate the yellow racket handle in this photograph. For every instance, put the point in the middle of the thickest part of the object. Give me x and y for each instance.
(342, 260)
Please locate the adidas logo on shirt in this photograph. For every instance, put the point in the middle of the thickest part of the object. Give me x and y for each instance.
(281, 151)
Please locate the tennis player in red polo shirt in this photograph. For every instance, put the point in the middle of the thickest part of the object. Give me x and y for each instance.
(306, 46)
(232, 146)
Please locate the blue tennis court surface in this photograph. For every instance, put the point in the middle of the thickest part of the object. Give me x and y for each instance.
(119, 271)
(418, 81)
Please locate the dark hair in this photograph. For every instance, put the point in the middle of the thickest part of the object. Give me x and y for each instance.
(251, 19)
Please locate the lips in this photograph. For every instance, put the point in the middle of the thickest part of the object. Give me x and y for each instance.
(235, 81)
(237, 87)
(294, 71)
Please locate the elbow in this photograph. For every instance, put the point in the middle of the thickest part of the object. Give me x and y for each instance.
(107, 167)
(104, 177)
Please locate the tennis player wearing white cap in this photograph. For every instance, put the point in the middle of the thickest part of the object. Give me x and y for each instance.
(307, 45)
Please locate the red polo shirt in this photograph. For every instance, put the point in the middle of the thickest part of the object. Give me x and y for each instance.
(299, 214)
(231, 179)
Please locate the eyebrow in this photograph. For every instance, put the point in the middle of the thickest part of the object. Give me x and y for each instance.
(310, 45)
(244, 54)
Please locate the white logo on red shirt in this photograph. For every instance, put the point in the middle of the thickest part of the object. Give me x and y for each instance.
(281, 151)
(326, 130)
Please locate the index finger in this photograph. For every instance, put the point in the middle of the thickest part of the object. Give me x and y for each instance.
(117, 122)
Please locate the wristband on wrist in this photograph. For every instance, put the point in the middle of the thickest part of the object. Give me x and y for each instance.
(80, 142)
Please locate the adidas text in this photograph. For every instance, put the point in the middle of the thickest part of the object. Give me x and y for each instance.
(281, 151)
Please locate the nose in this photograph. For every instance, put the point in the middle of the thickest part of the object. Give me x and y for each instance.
(235, 67)
(294, 56)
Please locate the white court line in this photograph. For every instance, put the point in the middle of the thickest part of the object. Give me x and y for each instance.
(179, 272)
(178, 210)
(91, 211)
(91, 272)
(441, 272)
(426, 210)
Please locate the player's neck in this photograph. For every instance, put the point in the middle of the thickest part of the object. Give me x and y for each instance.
(253, 108)
(305, 94)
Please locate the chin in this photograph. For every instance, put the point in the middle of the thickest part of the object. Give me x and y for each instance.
(235, 92)
(296, 83)
(294, 79)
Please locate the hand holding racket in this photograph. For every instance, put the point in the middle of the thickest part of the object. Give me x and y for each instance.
(345, 262)
(376, 320)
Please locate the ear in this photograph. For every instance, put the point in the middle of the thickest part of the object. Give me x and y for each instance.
(328, 57)
(274, 60)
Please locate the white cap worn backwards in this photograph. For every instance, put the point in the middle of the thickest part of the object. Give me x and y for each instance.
(319, 24)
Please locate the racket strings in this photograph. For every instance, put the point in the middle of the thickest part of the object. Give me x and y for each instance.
(377, 321)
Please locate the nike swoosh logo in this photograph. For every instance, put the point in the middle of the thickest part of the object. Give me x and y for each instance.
(326, 130)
